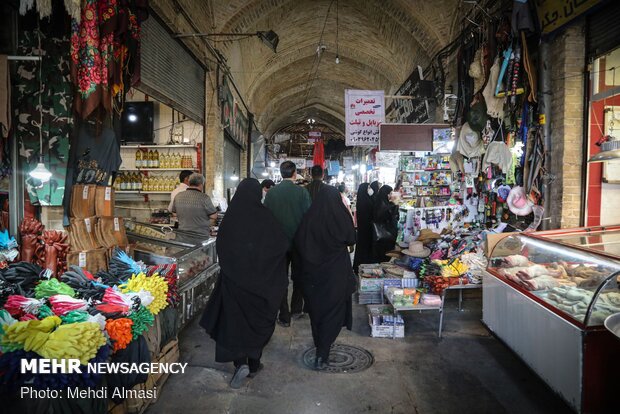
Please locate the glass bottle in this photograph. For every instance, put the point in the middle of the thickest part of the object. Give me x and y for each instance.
(122, 183)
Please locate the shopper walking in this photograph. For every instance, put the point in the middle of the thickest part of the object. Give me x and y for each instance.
(342, 189)
(374, 190)
(317, 181)
(241, 313)
(322, 240)
(194, 209)
(363, 213)
(384, 225)
(288, 203)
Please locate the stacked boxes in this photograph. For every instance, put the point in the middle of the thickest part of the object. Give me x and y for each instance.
(383, 323)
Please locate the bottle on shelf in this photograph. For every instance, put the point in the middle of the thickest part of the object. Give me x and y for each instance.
(156, 159)
(138, 158)
(163, 161)
(122, 183)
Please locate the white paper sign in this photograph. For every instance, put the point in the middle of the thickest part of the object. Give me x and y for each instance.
(85, 193)
(364, 114)
(108, 194)
(117, 226)
(82, 259)
(88, 227)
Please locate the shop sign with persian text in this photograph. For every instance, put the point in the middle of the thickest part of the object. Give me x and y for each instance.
(553, 14)
(364, 114)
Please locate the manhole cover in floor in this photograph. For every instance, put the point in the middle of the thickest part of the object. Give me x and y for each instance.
(342, 359)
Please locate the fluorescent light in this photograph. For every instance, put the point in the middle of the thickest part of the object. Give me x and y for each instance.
(41, 173)
(234, 177)
(132, 118)
(265, 174)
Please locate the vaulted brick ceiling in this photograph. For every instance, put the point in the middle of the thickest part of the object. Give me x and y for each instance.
(379, 44)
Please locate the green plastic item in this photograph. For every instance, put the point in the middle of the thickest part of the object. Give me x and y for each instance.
(52, 287)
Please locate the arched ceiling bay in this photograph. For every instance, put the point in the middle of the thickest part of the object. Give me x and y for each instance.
(379, 42)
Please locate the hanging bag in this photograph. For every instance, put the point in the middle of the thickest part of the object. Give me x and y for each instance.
(82, 201)
(380, 233)
(104, 201)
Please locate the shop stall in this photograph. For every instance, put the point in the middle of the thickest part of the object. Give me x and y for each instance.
(547, 296)
(194, 262)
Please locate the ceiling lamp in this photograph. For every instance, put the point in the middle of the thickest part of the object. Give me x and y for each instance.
(234, 176)
(610, 150)
(269, 38)
(40, 172)
(337, 50)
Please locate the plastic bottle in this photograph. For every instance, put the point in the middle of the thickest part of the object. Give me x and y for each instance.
(156, 159)
(138, 158)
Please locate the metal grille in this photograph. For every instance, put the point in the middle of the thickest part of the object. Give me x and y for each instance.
(343, 359)
(169, 73)
(603, 30)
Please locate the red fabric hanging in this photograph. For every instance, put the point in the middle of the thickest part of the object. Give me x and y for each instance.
(318, 157)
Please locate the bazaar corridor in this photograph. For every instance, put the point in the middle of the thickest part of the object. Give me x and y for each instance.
(468, 371)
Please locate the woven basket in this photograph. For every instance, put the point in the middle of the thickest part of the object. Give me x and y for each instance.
(104, 201)
(82, 201)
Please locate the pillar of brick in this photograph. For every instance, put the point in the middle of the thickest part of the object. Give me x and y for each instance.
(567, 112)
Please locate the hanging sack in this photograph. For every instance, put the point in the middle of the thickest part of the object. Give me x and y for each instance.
(111, 231)
(83, 234)
(104, 201)
(83, 201)
(380, 233)
(92, 260)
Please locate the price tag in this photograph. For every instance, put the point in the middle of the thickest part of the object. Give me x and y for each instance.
(117, 226)
(85, 193)
(87, 222)
(82, 259)
(108, 194)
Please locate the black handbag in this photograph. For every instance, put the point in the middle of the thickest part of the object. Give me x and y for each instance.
(380, 233)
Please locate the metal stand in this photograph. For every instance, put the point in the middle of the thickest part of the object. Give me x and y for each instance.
(460, 288)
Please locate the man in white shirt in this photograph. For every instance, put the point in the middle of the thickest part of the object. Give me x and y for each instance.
(183, 178)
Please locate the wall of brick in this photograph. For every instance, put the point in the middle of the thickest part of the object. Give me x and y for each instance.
(567, 112)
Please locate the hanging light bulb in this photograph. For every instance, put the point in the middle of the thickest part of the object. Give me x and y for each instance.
(337, 59)
(40, 172)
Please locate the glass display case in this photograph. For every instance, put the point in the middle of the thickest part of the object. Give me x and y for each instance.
(546, 296)
(579, 285)
(196, 261)
(157, 245)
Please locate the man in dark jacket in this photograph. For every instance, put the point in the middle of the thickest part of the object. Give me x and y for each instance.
(289, 203)
(317, 181)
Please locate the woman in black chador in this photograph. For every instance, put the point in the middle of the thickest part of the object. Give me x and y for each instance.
(385, 215)
(327, 277)
(363, 212)
(241, 313)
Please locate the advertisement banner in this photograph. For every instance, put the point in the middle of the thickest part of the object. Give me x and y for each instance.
(553, 14)
(364, 114)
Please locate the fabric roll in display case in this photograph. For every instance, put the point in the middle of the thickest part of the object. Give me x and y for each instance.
(195, 259)
(548, 302)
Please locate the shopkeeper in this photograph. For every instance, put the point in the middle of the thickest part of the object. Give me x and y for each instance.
(194, 209)
(183, 179)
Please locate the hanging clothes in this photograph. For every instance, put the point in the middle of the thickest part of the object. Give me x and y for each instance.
(328, 283)
(251, 247)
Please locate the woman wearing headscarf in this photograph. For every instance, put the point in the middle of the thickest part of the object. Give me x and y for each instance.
(385, 217)
(363, 212)
(241, 313)
(328, 283)
(373, 191)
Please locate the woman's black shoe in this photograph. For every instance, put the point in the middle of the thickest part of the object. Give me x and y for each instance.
(320, 364)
